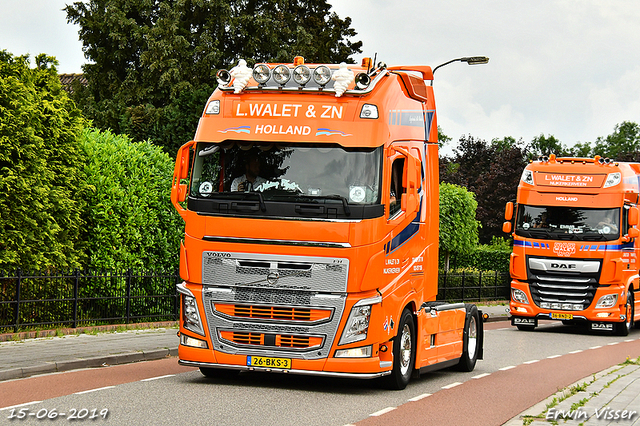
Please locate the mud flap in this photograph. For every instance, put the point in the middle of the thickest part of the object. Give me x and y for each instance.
(480, 336)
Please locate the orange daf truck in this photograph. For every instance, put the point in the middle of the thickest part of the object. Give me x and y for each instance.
(310, 201)
(575, 244)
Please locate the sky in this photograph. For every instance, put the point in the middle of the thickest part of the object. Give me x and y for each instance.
(565, 68)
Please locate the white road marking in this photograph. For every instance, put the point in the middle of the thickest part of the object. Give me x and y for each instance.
(595, 347)
(576, 352)
(480, 376)
(507, 368)
(612, 343)
(20, 405)
(381, 412)
(156, 378)
(554, 356)
(419, 397)
(452, 385)
(531, 362)
(94, 390)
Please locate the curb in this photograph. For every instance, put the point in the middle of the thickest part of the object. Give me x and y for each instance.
(76, 364)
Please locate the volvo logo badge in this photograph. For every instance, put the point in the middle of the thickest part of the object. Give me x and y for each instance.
(272, 278)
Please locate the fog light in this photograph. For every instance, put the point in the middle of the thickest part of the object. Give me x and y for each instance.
(261, 73)
(521, 310)
(607, 301)
(322, 75)
(363, 352)
(190, 341)
(603, 314)
(281, 74)
(519, 296)
(301, 74)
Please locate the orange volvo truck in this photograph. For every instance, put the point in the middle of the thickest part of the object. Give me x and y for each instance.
(575, 244)
(310, 198)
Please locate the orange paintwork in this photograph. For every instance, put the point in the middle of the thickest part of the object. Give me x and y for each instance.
(380, 262)
(579, 182)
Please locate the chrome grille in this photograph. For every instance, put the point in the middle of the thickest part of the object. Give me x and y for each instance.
(564, 281)
(273, 305)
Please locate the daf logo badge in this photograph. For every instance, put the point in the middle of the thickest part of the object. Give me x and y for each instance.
(272, 278)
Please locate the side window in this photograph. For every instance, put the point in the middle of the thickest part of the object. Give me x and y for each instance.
(396, 190)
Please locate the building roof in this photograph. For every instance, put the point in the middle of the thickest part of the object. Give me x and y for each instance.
(67, 81)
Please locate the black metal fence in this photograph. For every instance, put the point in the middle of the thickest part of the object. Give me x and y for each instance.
(77, 298)
(473, 286)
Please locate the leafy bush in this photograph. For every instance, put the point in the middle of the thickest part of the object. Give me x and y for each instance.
(458, 224)
(40, 167)
(130, 221)
(485, 257)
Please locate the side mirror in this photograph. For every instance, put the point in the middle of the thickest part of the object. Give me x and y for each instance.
(181, 171)
(633, 216)
(508, 212)
(506, 227)
(633, 233)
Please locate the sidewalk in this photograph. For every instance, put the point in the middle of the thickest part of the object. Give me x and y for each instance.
(24, 358)
(611, 396)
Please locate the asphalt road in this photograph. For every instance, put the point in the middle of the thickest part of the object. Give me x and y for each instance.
(519, 369)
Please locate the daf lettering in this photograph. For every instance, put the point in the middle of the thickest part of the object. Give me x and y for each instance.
(563, 265)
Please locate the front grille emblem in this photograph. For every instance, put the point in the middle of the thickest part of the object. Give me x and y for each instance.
(272, 278)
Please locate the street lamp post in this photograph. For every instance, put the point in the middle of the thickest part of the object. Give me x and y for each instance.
(471, 60)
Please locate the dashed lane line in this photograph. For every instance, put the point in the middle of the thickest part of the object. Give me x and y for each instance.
(419, 397)
(381, 412)
(20, 405)
(507, 368)
(94, 390)
(452, 385)
(156, 378)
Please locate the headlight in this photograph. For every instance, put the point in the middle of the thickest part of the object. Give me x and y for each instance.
(607, 301)
(213, 107)
(612, 179)
(358, 323)
(190, 314)
(527, 177)
(369, 111)
(519, 296)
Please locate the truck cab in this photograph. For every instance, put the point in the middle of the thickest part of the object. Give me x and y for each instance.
(310, 200)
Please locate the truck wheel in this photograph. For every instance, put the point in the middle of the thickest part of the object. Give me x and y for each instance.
(218, 373)
(404, 354)
(470, 340)
(526, 327)
(623, 328)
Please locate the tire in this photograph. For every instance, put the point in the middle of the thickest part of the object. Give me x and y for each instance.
(218, 373)
(526, 327)
(623, 328)
(471, 340)
(404, 354)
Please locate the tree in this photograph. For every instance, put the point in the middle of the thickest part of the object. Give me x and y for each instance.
(491, 171)
(40, 167)
(458, 224)
(153, 62)
(546, 145)
(623, 144)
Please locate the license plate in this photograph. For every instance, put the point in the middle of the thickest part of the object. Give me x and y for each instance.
(266, 362)
(555, 315)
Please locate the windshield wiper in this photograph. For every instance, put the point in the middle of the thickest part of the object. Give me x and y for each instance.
(345, 204)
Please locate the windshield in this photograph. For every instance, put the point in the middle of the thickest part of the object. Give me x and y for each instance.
(287, 173)
(568, 223)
